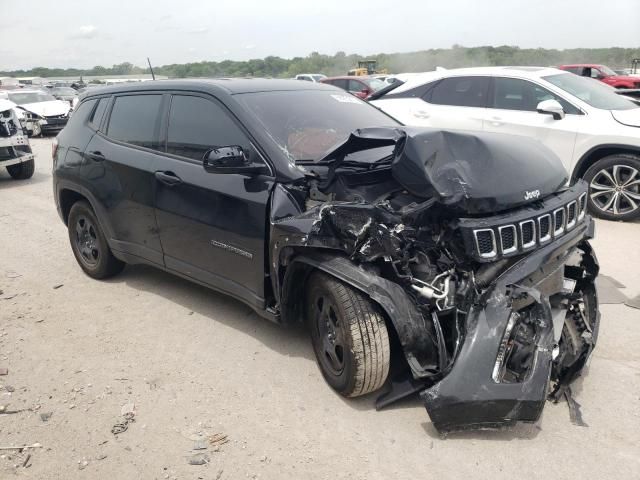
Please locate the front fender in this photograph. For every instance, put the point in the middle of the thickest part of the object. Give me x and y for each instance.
(414, 331)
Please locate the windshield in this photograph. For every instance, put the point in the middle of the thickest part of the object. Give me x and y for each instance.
(22, 98)
(374, 83)
(317, 78)
(64, 91)
(305, 124)
(607, 71)
(593, 92)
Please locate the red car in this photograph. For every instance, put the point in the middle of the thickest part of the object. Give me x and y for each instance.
(361, 87)
(602, 73)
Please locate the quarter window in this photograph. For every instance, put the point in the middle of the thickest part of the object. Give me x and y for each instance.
(135, 119)
(197, 125)
(460, 91)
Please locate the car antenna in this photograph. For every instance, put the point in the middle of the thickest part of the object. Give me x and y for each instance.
(153, 76)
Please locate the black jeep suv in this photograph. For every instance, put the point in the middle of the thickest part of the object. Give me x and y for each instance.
(466, 254)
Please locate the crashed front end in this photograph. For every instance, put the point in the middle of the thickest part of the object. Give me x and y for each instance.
(476, 251)
(14, 144)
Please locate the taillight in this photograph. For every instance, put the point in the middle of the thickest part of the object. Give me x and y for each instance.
(54, 147)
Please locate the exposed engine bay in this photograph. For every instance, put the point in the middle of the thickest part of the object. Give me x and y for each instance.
(474, 248)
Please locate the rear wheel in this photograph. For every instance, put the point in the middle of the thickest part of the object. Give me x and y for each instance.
(349, 336)
(89, 244)
(614, 187)
(22, 171)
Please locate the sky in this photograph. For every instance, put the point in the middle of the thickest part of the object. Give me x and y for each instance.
(83, 34)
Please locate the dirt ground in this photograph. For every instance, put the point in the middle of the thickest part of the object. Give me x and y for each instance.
(196, 363)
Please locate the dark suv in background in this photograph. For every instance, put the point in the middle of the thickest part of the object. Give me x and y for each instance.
(464, 253)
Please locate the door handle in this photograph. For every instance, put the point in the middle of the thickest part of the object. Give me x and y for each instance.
(168, 178)
(421, 114)
(96, 156)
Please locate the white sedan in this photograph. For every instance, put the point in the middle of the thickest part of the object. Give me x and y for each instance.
(595, 132)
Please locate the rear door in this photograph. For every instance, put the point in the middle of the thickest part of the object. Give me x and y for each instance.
(212, 226)
(118, 171)
(454, 103)
(513, 103)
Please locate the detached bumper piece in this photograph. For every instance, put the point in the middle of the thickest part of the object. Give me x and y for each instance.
(517, 343)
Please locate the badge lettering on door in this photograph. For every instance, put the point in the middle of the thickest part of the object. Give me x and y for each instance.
(531, 194)
(232, 249)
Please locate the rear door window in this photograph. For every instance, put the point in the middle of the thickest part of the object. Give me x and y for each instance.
(460, 91)
(135, 119)
(197, 125)
(355, 86)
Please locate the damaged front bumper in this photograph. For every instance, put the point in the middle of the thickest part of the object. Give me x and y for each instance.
(14, 145)
(474, 393)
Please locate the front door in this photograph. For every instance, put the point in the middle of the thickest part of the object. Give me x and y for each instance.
(512, 110)
(212, 226)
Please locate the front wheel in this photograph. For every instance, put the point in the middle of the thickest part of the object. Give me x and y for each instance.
(349, 336)
(614, 187)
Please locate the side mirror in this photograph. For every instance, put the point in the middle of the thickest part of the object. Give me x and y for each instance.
(551, 107)
(230, 160)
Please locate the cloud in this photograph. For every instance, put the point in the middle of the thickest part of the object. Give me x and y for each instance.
(198, 31)
(250, 46)
(86, 31)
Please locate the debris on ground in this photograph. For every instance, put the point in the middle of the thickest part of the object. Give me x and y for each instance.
(128, 413)
(55, 287)
(9, 388)
(45, 416)
(218, 439)
(27, 461)
(200, 445)
(575, 412)
(4, 371)
(22, 447)
(82, 464)
(198, 459)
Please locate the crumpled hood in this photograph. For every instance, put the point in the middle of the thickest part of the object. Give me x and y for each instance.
(630, 117)
(475, 172)
(6, 105)
(47, 109)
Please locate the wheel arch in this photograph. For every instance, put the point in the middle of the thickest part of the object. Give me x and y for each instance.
(599, 152)
(67, 194)
(401, 314)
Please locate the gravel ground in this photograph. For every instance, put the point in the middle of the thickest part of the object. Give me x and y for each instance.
(196, 363)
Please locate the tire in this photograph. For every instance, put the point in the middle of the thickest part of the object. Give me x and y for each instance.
(89, 244)
(22, 171)
(614, 187)
(349, 336)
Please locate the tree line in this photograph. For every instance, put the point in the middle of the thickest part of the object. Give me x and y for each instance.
(340, 63)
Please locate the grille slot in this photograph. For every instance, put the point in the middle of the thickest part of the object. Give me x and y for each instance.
(508, 240)
(528, 233)
(558, 222)
(583, 206)
(486, 242)
(544, 228)
(572, 214)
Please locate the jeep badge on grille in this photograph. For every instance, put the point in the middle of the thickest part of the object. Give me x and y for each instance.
(531, 194)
